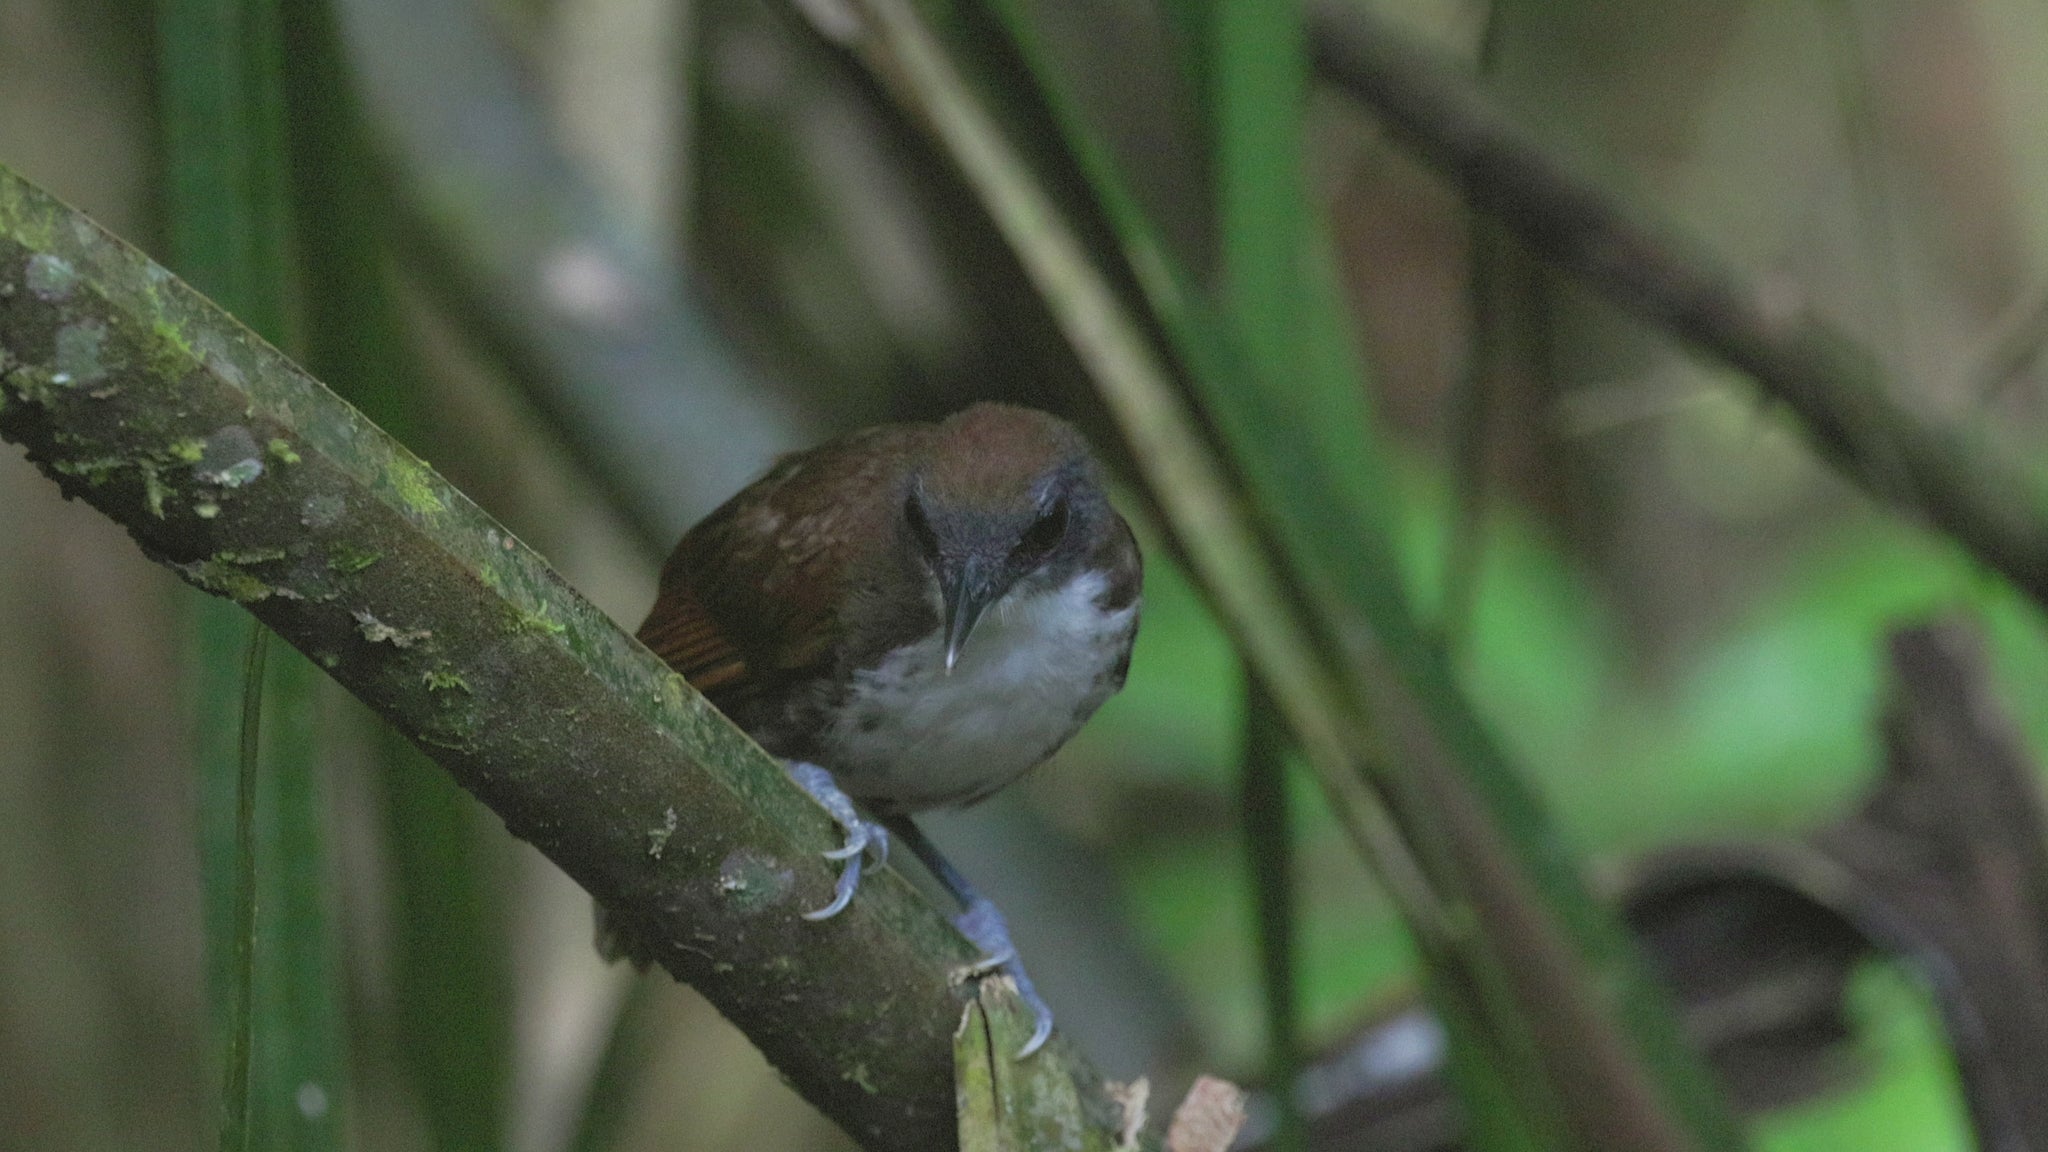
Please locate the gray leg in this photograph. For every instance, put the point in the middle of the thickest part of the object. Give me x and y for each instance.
(983, 924)
(862, 834)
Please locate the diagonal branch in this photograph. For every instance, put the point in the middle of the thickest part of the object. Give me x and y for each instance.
(234, 468)
(1849, 405)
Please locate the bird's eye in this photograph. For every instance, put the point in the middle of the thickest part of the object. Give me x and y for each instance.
(1044, 533)
(920, 524)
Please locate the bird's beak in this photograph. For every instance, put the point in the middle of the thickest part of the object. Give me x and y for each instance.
(967, 594)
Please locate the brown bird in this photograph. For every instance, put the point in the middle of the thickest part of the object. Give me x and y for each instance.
(912, 617)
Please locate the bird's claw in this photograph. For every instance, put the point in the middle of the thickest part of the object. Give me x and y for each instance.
(862, 835)
(982, 922)
(983, 925)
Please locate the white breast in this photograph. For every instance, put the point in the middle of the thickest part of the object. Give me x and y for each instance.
(1035, 668)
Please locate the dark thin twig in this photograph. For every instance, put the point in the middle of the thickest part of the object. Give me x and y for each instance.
(1841, 394)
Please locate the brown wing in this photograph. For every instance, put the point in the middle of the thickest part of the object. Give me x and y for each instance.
(681, 631)
(751, 601)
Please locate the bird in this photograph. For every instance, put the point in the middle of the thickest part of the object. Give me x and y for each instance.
(911, 617)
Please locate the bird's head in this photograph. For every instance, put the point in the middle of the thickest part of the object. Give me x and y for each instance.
(1003, 499)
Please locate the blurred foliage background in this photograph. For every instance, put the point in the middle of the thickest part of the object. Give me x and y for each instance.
(1669, 609)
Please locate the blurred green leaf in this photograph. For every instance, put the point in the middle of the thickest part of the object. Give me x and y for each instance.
(1911, 1098)
(241, 981)
(630, 1047)
(452, 984)
(220, 65)
(1180, 717)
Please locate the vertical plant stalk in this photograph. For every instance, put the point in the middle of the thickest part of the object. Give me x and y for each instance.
(1471, 396)
(220, 65)
(1470, 403)
(1290, 404)
(631, 1045)
(234, 1098)
(1269, 844)
(449, 971)
(227, 214)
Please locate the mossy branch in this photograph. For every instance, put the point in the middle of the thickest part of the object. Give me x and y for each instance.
(235, 469)
(1852, 409)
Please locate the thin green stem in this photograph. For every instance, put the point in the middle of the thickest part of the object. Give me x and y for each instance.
(1269, 842)
(234, 1133)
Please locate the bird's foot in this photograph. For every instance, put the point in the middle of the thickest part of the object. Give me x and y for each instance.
(862, 835)
(983, 924)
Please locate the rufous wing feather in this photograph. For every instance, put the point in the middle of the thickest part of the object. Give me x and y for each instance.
(748, 606)
(682, 632)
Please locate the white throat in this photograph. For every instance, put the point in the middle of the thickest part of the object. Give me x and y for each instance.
(915, 735)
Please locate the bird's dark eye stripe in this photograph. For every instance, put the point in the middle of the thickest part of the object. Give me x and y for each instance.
(1046, 531)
